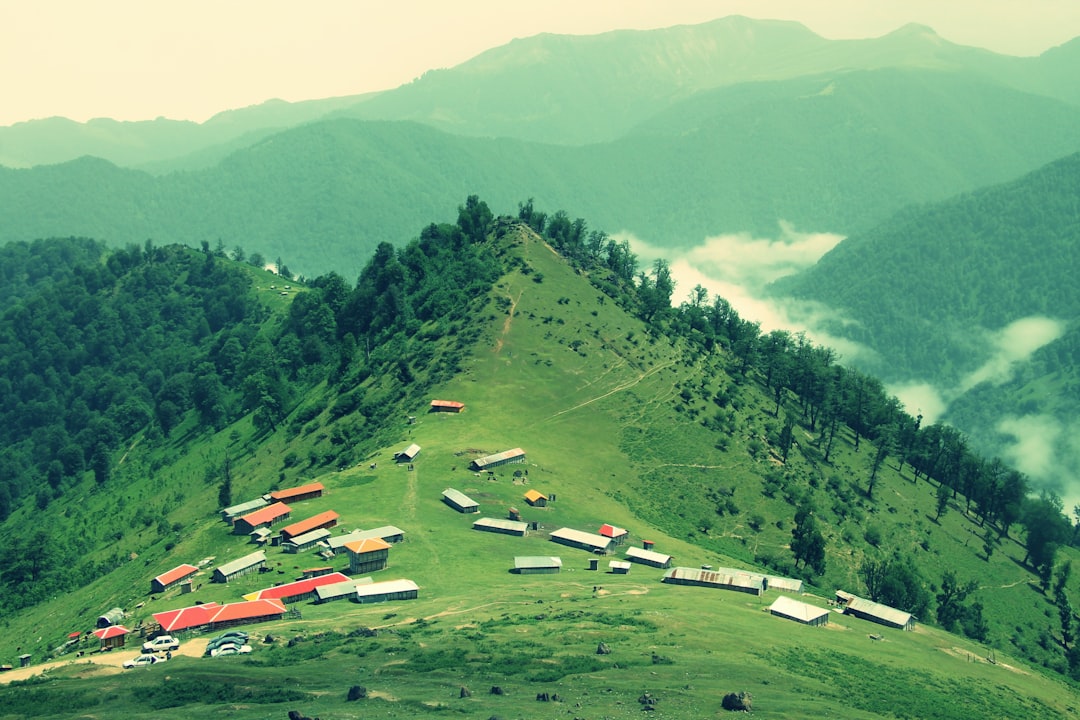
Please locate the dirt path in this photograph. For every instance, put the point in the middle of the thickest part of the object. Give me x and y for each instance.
(112, 661)
(509, 320)
(620, 388)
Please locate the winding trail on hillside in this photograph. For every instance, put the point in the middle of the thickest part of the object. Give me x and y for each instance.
(617, 389)
(509, 320)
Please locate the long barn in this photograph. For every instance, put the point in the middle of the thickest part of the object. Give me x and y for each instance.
(506, 457)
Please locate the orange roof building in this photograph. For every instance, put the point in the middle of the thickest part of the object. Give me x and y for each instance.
(266, 517)
(367, 555)
(304, 492)
(326, 519)
(173, 577)
(536, 498)
(447, 406)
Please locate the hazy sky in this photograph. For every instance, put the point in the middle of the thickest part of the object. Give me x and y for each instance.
(140, 59)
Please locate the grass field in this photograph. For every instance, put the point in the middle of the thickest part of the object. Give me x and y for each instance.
(622, 427)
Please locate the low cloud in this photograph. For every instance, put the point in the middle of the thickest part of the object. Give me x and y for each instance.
(1012, 345)
(920, 398)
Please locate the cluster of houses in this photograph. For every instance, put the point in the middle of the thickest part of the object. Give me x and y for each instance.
(368, 552)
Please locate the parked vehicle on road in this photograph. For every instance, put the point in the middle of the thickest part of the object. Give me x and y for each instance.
(161, 644)
(143, 660)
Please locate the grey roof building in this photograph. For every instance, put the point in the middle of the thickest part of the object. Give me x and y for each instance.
(460, 501)
(799, 611)
(237, 568)
(582, 540)
(507, 527)
(537, 564)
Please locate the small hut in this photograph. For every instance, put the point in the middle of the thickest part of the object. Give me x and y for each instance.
(536, 498)
(112, 636)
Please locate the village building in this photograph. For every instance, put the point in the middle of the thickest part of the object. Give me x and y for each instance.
(230, 514)
(506, 457)
(460, 501)
(618, 535)
(323, 520)
(507, 527)
(367, 555)
(874, 612)
(340, 591)
(450, 406)
(799, 611)
(261, 536)
(408, 454)
(299, 590)
(619, 567)
(536, 498)
(296, 494)
(775, 582)
(212, 616)
(582, 540)
(389, 533)
(112, 637)
(238, 568)
(537, 565)
(722, 579)
(307, 541)
(112, 617)
(648, 557)
(263, 518)
(172, 578)
(386, 591)
(316, 571)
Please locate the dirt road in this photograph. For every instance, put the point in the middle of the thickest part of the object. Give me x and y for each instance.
(112, 661)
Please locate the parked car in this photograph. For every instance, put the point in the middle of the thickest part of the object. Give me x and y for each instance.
(235, 638)
(230, 649)
(161, 644)
(143, 660)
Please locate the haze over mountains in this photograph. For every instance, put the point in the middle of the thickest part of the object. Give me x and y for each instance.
(670, 136)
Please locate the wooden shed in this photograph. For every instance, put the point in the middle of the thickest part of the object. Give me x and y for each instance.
(460, 501)
(449, 406)
(112, 636)
(240, 567)
(263, 518)
(408, 454)
(296, 494)
(172, 578)
(506, 457)
(536, 498)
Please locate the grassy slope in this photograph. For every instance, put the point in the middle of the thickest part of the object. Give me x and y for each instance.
(602, 432)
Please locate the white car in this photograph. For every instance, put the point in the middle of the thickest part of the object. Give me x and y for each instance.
(230, 649)
(161, 644)
(142, 661)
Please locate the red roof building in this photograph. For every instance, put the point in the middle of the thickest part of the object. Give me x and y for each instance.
(299, 590)
(215, 616)
(112, 636)
(446, 406)
(617, 534)
(304, 492)
(171, 578)
(326, 519)
(265, 517)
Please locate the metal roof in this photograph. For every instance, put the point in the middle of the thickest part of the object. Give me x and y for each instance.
(782, 583)
(245, 562)
(311, 523)
(409, 452)
(498, 457)
(245, 507)
(796, 609)
(459, 498)
(177, 573)
(890, 615)
(359, 547)
(293, 492)
(340, 589)
(718, 577)
(267, 514)
(537, 561)
(386, 587)
(647, 555)
(339, 541)
(310, 537)
(300, 587)
(511, 525)
(612, 531)
(581, 538)
(619, 564)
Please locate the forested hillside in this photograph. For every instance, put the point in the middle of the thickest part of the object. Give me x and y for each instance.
(163, 383)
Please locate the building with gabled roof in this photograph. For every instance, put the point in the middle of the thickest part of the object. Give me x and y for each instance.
(389, 533)
(582, 540)
(460, 501)
(327, 519)
(263, 518)
(721, 578)
(298, 590)
(231, 513)
(214, 617)
(506, 457)
(447, 406)
(367, 555)
(648, 557)
(296, 494)
(537, 564)
(408, 454)
(172, 578)
(875, 612)
(340, 591)
(619, 567)
(186, 618)
(799, 611)
(113, 636)
(617, 534)
(776, 582)
(238, 568)
(386, 591)
(308, 540)
(497, 525)
(536, 498)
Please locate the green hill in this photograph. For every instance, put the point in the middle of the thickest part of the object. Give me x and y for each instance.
(672, 427)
